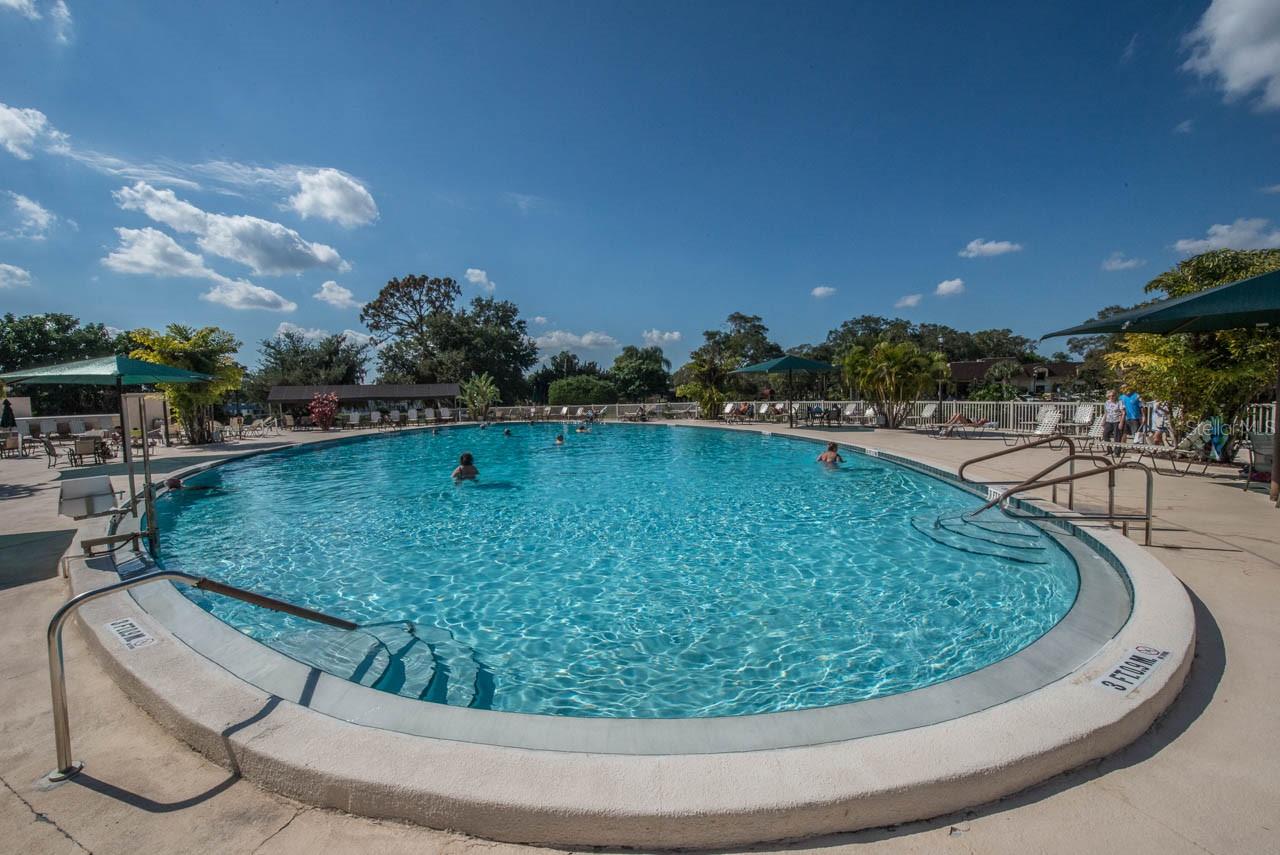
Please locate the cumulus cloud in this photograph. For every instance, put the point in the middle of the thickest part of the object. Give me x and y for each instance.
(908, 301)
(949, 287)
(12, 276)
(333, 195)
(656, 337)
(265, 247)
(25, 8)
(360, 338)
(151, 252)
(979, 248)
(822, 292)
(1274, 188)
(1184, 127)
(31, 219)
(480, 279)
(337, 296)
(1237, 44)
(563, 340)
(1252, 233)
(539, 320)
(1119, 261)
(308, 334)
(22, 128)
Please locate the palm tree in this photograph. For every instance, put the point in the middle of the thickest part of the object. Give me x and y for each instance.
(894, 374)
(479, 392)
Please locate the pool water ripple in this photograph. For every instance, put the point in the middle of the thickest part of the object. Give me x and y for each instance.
(638, 571)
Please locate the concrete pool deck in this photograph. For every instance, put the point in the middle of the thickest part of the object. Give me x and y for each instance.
(1168, 791)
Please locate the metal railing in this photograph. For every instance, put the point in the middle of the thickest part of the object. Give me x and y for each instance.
(57, 672)
(1035, 482)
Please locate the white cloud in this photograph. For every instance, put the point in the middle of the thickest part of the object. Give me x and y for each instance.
(949, 287)
(1274, 188)
(21, 128)
(562, 340)
(1237, 43)
(12, 276)
(656, 337)
(909, 301)
(1186, 126)
(1130, 50)
(264, 247)
(239, 294)
(979, 248)
(333, 195)
(26, 8)
(337, 296)
(822, 292)
(33, 220)
(480, 279)
(61, 16)
(151, 252)
(523, 202)
(539, 320)
(361, 338)
(1255, 233)
(1119, 261)
(308, 334)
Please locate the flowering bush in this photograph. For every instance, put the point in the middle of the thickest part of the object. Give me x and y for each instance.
(323, 408)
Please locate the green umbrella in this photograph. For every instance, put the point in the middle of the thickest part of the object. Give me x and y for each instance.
(1253, 302)
(788, 364)
(118, 371)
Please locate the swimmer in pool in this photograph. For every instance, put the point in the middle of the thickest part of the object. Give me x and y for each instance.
(831, 455)
(582, 428)
(559, 439)
(506, 431)
(466, 470)
(176, 484)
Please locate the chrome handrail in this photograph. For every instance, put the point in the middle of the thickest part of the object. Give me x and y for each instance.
(57, 672)
(1034, 483)
(1045, 439)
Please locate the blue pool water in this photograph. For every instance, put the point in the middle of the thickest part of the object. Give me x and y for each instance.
(638, 571)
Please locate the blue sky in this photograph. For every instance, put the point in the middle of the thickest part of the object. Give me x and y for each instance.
(623, 169)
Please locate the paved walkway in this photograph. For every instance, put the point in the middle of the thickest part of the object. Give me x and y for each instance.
(1204, 779)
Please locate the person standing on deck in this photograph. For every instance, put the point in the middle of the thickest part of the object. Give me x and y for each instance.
(1112, 419)
(1132, 403)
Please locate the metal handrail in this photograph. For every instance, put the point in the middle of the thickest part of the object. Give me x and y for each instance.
(1111, 469)
(57, 672)
(1043, 440)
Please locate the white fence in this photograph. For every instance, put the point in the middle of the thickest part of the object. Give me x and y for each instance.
(673, 410)
(1012, 415)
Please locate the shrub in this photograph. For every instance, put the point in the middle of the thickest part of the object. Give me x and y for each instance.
(582, 389)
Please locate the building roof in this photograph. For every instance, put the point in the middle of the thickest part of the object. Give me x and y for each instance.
(976, 369)
(368, 392)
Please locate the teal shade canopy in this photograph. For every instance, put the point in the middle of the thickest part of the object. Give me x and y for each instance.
(787, 363)
(1247, 303)
(105, 371)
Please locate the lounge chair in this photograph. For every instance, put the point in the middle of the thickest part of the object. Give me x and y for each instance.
(289, 422)
(352, 420)
(924, 420)
(1261, 455)
(88, 497)
(1082, 419)
(12, 446)
(1190, 450)
(64, 431)
(84, 447)
(1093, 437)
(446, 415)
(1047, 423)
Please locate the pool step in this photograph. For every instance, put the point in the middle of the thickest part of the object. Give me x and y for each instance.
(931, 526)
(413, 660)
(980, 530)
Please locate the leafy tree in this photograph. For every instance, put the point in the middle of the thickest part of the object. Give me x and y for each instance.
(479, 392)
(744, 340)
(706, 377)
(894, 374)
(639, 372)
(583, 389)
(34, 340)
(564, 364)
(430, 340)
(996, 385)
(1204, 374)
(209, 350)
(291, 359)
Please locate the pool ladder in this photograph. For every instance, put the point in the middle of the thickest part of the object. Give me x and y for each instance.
(1108, 467)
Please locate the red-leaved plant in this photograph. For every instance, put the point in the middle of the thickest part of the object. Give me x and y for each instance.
(323, 408)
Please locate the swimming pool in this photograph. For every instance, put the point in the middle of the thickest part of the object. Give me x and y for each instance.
(638, 571)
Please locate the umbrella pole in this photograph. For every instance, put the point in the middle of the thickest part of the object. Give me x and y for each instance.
(791, 410)
(125, 445)
(1275, 442)
(146, 476)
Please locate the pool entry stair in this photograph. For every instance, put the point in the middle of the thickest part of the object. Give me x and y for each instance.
(422, 662)
(1009, 539)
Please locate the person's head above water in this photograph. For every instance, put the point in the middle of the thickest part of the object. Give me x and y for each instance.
(506, 431)
(559, 439)
(831, 446)
(466, 459)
